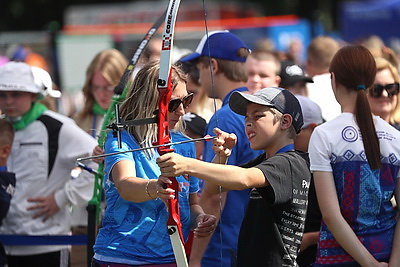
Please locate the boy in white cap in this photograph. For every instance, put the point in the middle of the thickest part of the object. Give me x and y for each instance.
(223, 54)
(273, 226)
(44, 151)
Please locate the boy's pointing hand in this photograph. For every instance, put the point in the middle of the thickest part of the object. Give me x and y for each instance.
(224, 143)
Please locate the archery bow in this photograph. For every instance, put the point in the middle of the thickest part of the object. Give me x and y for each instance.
(120, 92)
(163, 135)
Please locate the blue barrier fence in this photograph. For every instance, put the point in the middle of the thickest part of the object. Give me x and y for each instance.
(40, 240)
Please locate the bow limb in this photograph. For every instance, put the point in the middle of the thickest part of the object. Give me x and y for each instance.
(163, 137)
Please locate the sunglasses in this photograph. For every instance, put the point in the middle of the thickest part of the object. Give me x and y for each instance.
(391, 89)
(175, 103)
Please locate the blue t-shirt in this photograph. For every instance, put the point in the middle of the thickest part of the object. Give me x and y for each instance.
(236, 201)
(136, 233)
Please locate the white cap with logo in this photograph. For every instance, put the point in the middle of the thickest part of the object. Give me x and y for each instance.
(19, 76)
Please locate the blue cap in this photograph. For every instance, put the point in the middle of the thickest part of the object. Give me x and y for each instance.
(219, 44)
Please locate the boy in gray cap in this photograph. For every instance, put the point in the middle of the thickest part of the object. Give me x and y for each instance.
(223, 55)
(273, 226)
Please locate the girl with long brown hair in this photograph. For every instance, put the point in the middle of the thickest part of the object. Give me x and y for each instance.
(355, 162)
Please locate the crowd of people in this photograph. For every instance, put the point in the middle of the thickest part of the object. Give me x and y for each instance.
(302, 171)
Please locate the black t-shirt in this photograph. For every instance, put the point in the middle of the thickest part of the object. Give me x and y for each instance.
(314, 216)
(313, 223)
(273, 225)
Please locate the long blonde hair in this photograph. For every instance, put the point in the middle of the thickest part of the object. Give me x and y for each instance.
(142, 100)
(111, 63)
(382, 64)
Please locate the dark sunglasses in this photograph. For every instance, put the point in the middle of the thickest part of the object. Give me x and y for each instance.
(175, 103)
(391, 89)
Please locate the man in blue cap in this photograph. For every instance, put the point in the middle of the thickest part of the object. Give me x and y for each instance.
(220, 58)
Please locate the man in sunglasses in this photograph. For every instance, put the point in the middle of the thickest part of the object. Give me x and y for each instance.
(383, 95)
(223, 54)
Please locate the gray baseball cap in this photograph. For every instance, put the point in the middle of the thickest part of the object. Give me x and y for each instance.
(279, 98)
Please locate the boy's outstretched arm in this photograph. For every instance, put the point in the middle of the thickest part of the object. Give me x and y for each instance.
(228, 176)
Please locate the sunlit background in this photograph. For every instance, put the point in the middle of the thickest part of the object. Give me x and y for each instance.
(63, 36)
